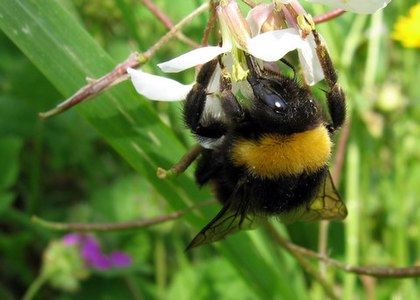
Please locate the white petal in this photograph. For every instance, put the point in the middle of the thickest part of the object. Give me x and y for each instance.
(193, 58)
(309, 61)
(257, 16)
(356, 6)
(157, 87)
(214, 83)
(273, 45)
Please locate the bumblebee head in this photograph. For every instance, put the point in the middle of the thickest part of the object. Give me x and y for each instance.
(281, 105)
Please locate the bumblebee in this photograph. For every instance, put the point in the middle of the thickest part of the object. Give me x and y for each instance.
(268, 157)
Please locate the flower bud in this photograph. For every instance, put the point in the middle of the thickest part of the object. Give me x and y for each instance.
(63, 266)
(233, 24)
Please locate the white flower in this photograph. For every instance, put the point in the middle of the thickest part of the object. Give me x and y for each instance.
(356, 6)
(311, 67)
(257, 17)
(193, 58)
(157, 87)
(269, 46)
(240, 34)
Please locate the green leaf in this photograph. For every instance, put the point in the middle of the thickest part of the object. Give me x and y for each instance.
(206, 281)
(6, 199)
(9, 160)
(66, 54)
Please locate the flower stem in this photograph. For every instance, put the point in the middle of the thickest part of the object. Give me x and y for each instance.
(34, 287)
(329, 16)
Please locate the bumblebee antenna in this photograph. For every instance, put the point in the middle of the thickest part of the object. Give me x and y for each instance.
(256, 70)
(253, 66)
(286, 62)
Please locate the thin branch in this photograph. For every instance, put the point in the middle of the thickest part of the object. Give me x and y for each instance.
(182, 164)
(170, 34)
(210, 24)
(306, 265)
(379, 272)
(89, 227)
(164, 19)
(96, 87)
(119, 74)
(329, 16)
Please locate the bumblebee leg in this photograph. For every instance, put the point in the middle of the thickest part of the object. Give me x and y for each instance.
(337, 107)
(335, 96)
(230, 104)
(196, 98)
(209, 166)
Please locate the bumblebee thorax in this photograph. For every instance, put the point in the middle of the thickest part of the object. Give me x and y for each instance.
(274, 155)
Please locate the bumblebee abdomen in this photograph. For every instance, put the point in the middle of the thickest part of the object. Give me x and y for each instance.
(285, 194)
(267, 197)
(274, 155)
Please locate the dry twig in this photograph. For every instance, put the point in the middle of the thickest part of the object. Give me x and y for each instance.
(89, 227)
(96, 87)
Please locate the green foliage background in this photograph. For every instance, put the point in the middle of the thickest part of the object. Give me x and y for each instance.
(97, 163)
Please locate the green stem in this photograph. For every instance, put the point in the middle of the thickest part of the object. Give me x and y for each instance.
(352, 222)
(353, 40)
(373, 51)
(34, 287)
(160, 263)
(22, 219)
(323, 244)
(35, 172)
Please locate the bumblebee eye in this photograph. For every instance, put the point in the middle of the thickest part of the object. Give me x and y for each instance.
(274, 101)
(267, 91)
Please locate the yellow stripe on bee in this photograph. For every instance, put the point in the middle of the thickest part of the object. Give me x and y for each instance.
(274, 155)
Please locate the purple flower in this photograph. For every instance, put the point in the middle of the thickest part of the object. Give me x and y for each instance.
(92, 254)
(71, 238)
(120, 259)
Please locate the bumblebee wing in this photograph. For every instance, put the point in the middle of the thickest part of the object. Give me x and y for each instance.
(327, 205)
(234, 216)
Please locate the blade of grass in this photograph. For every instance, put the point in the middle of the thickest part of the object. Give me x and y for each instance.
(352, 221)
(372, 62)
